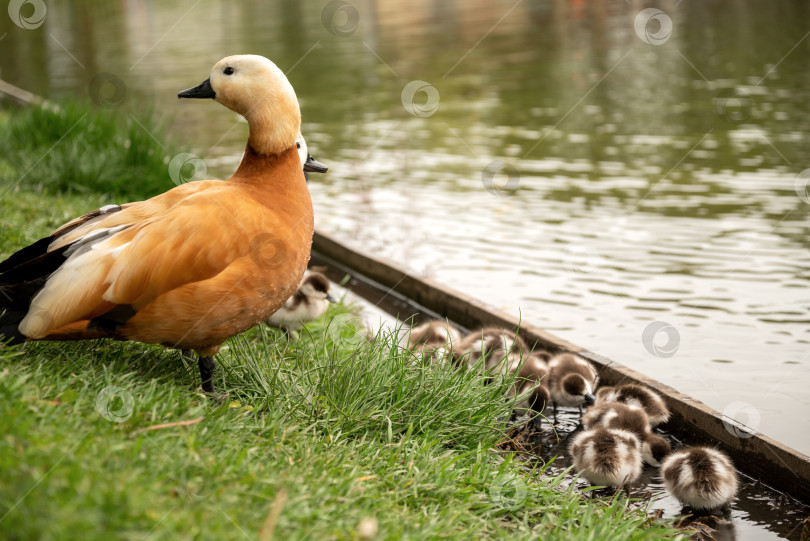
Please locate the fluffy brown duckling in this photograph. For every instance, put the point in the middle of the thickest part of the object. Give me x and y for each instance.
(700, 477)
(498, 348)
(571, 381)
(633, 419)
(637, 395)
(308, 303)
(531, 381)
(432, 340)
(607, 457)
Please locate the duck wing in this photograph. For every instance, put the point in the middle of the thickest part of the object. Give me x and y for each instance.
(119, 263)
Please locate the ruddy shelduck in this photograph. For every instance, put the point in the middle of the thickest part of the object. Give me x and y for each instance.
(189, 268)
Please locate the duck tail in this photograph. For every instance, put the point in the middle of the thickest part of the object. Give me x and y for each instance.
(22, 275)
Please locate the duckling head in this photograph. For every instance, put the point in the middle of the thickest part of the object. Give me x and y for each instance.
(578, 389)
(654, 449)
(257, 89)
(316, 286)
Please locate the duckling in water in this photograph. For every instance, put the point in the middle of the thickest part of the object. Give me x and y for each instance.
(571, 381)
(308, 303)
(633, 419)
(531, 380)
(432, 340)
(636, 395)
(607, 457)
(700, 477)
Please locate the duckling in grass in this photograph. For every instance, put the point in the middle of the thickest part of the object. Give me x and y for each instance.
(633, 419)
(607, 457)
(308, 303)
(571, 381)
(700, 477)
(531, 381)
(432, 340)
(498, 348)
(636, 395)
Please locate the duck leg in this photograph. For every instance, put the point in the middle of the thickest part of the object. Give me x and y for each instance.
(207, 366)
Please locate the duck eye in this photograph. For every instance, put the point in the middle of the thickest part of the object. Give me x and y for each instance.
(297, 144)
(228, 71)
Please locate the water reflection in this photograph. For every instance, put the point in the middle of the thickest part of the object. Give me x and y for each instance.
(655, 182)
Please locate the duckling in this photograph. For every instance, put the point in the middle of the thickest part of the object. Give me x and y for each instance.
(500, 349)
(571, 381)
(432, 333)
(700, 477)
(636, 395)
(531, 380)
(633, 419)
(432, 341)
(607, 457)
(188, 268)
(308, 303)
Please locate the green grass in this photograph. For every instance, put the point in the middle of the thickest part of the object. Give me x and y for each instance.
(313, 437)
(78, 149)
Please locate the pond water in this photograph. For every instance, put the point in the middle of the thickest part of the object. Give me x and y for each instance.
(631, 176)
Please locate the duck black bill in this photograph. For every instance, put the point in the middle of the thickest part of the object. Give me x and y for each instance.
(314, 166)
(590, 399)
(330, 298)
(201, 91)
